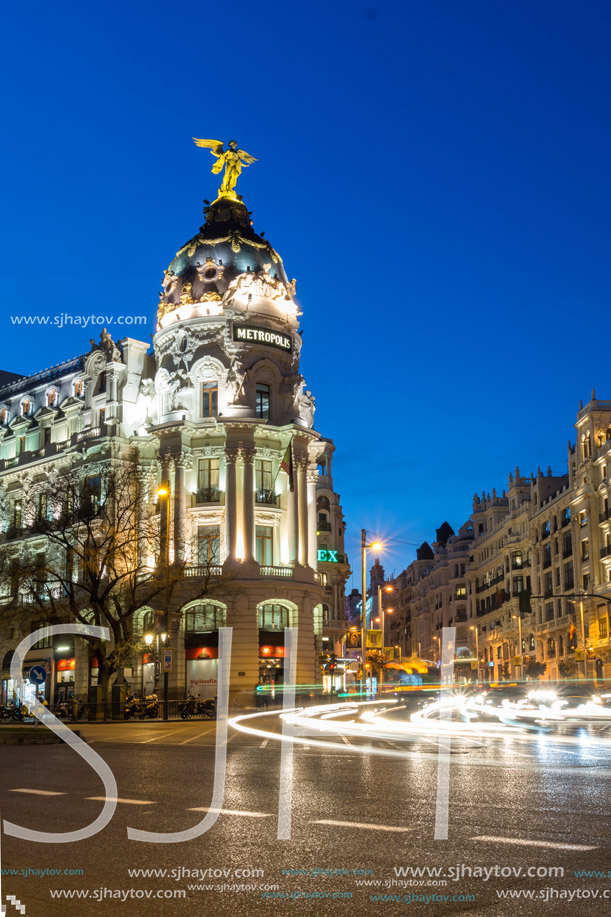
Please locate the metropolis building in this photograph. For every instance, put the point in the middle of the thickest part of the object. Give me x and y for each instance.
(222, 422)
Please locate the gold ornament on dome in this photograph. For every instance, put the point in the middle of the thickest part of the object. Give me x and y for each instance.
(233, 159)
(236, 239)
(211, 296)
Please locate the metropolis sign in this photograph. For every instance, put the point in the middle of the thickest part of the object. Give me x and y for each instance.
(262, 336)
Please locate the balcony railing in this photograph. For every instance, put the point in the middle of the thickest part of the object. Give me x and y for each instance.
(323, 526)
(268, 497)
(276, 571)
(208, 495)
(203, 570)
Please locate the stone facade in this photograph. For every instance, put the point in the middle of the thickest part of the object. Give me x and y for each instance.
(220, 417)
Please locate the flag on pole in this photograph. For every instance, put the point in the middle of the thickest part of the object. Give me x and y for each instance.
(287, 465)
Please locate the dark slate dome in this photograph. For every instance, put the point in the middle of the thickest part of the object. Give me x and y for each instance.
(225, 247)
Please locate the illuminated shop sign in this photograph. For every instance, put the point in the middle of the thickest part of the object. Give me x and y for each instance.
(262, 336)
(327, 556)
(66, 665)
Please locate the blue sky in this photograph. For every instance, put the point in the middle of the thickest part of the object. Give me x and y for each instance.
(435, 175)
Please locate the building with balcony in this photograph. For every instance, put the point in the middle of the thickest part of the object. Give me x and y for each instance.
(547, 534)
(221, 420)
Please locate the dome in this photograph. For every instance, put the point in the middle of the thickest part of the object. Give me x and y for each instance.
(225, 247)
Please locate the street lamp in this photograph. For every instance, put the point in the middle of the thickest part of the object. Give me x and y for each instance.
(519, 620)
(148, 639)
(475, 627)
(583, 635)
(376, 547)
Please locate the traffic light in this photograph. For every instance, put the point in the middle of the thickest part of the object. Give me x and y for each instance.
(332, 662)
(524, 602)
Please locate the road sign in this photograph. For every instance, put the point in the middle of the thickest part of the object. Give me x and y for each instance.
(374, 639)
(167, 664)
(37, 675)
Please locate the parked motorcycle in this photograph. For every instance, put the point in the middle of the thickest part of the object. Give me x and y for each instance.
(140, 708)
(19, 713)
(5, 712)
(194, 706)
(64, 711)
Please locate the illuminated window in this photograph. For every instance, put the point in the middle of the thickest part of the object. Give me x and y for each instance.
(265, 545)
(52, 398)
(26, 407)
(273, 617)
(262, 401)
(210, 399)
(263, 474)
(20, 445)
(16, 519)
(583, 518)
(92, 492)
(208, 544)
(101, 416)
(3, 415)
(78, 388)
(602, 628)
(203, 618)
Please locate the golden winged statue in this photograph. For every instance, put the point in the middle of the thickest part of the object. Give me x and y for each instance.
(232, 158)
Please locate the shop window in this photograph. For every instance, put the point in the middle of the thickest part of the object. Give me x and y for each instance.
(262, 402)
(210, 399)
(208, 544)
(273, 617)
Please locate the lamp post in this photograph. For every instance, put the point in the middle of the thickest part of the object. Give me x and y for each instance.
(164, 494)
(148, 639)
(382, 589)
(475, 627)
(375, 546)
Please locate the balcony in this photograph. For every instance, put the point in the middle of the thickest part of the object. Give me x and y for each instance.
(323, 526)
(266, 497)
(203, 570)
(602, 517)
(277, 571)
(606, 551)
(208, 495)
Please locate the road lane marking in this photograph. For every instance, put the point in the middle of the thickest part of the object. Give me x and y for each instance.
(524, 842)
(344, 739)
(129, 802)
(362, 825)
(162, 736)
(193, 738)
(232, 812)
(38, 792)
(264, 743)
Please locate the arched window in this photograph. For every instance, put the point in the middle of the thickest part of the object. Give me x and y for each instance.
(52, 398)
(273, 617)
(531, 642)
(204, 617)
(3, 415)
(26, 406)
(78, 388)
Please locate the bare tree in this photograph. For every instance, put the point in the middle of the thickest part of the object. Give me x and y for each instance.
(90, 547)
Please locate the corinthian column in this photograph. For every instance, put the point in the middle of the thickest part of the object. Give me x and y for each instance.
(302, 511)
(312, 476)
(231, 502)
(180, 511)
(248, 457)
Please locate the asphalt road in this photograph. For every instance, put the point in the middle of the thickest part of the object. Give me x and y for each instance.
(364, 805)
